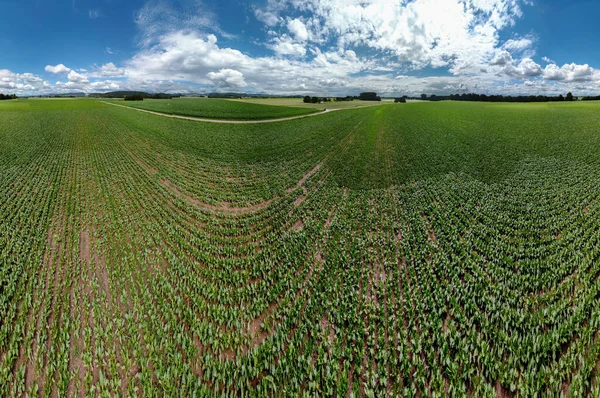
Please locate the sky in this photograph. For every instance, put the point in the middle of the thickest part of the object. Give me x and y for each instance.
(306, 47)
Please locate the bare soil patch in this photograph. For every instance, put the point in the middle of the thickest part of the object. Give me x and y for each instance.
(223, 208)
(306, 177)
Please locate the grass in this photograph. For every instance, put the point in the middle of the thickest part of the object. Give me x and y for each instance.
(435, 248)
(217, 109)
(298, 102)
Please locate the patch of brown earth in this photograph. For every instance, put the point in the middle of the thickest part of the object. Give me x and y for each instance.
(151, 170)
(306, 177)
(258, 334)
(502, 392)
(327, 326)
(298, 225)
(430, 231)
(84, 246)
(399, 236)
(223, 208)
(300, 198)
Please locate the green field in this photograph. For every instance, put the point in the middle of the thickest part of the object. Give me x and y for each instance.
(210, 108)
(423, 249)
(299, 103)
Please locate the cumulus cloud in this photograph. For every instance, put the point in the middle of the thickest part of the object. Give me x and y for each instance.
(107, 70)
(319, 47)
(21, 83)
(571, 73)
(459, 34)
(285, 45)
(502, 58)
(7, 79)
(75, 77)
(525, 69)
(58, 69)
(191, 57)
(106, 85)
(30, 78)
(228, 78)
(298, 29)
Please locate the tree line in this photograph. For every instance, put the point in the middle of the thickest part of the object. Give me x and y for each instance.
(497, 98)
(134, 94)
(367, 96)
(7, 96)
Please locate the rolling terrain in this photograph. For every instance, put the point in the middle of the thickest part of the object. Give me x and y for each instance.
(398, 250)
(217, 108)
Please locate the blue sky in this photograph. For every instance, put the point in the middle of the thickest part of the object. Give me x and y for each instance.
(322, 47)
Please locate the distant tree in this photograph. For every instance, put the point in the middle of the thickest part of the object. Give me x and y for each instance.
(160, 96)
(400, 100)
(501, 98)
(134, 97)
(307, 99)
(369, 96)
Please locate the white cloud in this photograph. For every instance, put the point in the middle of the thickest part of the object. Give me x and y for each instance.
(285, 45)
(459, 34)
(30, 78)
(58, 69)
(7, 79)
(107, 85)
(228, 78)
(518, 45)
(548, 60)
(77, 78)
(269, 18)
(107, 70)
(298, 29)
(20, 83)
(571, 73)
(502, 58)
(109, 51)
(525, 69)
(160, 17)
(329, 47)
(191, 57)
(505, 64)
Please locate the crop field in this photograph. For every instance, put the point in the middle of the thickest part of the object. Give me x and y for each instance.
(210, 108)
(445, 249)
(299, 103)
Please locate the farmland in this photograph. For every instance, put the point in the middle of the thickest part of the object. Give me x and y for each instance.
(217, 108)
(415, 250)
(299, 103)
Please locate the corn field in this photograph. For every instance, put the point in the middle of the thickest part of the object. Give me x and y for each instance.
(445, 249)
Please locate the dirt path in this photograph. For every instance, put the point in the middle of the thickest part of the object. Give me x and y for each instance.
(199, 119)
